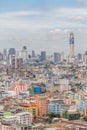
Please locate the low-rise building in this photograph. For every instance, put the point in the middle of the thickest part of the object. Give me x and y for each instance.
(31, 107)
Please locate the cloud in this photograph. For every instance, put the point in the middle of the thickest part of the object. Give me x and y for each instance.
(55, 31)
(38, 27)
(70, 12)
(84, 2)
(20, 20)
(38, 19)
(20, 13)
(59, 31)
(75, 18)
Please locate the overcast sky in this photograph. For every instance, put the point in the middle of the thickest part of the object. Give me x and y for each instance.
(43, 24)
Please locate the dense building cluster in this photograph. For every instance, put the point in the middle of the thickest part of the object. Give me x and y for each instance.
(43, 92)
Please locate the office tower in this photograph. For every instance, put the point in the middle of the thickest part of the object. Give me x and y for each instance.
(5, 51)
(43, 56)
(19, 63)
(24, 48)
(85, 52)
(62, 56)
(13, 61)
(57, 57)
(79, 57)
(71, 43)
(23, 53)
(4, 54)
(84, 57)
(33, 53)
(11, 52)
(1, 56)
(16, 63)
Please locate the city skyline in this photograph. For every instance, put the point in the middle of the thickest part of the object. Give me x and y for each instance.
(43, 25)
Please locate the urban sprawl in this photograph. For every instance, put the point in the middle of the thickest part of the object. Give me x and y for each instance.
(43, 92)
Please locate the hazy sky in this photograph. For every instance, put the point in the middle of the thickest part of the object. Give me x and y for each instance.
(43, 24)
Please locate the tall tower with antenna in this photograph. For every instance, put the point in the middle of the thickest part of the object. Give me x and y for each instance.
(71, 43)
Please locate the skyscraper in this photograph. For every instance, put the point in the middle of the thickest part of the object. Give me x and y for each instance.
(57, 57)
(13, 61)
(19, 63)
(33, 53)
(11, 52)
(23, 53)
(71, 42)
(5, 54)
(43, 56)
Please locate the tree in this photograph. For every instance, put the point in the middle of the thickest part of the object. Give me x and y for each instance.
(65, 114)
(85, 118)
(51, 116)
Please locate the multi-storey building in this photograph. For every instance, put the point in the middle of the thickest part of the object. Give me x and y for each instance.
(57, 57)
(18, 122)
(42, 103)
(31, 107)
(43, 56)
(56, 106)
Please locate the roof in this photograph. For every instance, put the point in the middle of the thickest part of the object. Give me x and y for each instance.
(22, 113)
(29, 105)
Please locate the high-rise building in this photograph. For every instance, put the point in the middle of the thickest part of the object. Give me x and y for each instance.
(19, 63)
(85, 52)
(57, 57)
(43, 56)
(62, 56)
(13, 61)
(4, 54)
(23, 53)
(79, 57)
(12, 51)
(33, 53)
(16, 63)
(71, 43)
(24, 48)
(84, 58)
(1, 56)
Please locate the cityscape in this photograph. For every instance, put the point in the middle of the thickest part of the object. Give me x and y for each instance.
(43, 65)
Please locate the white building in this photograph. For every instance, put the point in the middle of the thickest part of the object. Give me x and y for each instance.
(20, 118)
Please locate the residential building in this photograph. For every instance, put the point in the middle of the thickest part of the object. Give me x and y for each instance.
(42, 104)
(85, 112)
(31, 107)
(56, 106)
